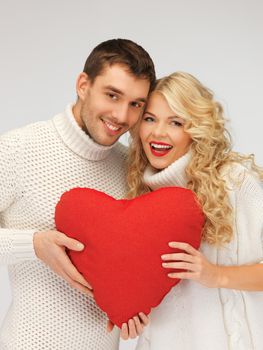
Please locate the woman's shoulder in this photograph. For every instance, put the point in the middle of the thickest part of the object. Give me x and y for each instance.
(242, 178)
(234, 171)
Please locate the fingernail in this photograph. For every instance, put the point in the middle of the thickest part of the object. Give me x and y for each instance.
(163, 256)
(80, 246)
(164, 264)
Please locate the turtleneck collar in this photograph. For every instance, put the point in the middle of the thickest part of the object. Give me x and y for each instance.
(76, 139)
(173, 175)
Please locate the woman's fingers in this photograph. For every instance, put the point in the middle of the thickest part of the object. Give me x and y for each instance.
(182, 275)
(184, 246)
(144, 319)
(124, 331)
(179, 257)
(134, 327)
(189, 260)
(138, 325)
(180, 265)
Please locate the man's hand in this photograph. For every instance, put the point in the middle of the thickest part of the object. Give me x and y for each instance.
(50, 247)
(132, 328)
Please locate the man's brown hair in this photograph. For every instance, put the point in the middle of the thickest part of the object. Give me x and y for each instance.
(120, 51)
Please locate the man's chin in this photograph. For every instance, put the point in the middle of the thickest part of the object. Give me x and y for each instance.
(106, 142)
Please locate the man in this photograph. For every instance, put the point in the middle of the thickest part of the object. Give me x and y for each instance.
(77, 148)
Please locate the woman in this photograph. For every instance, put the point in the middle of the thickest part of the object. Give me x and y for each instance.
(182, 141)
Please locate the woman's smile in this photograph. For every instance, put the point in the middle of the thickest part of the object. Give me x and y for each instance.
(160, 149)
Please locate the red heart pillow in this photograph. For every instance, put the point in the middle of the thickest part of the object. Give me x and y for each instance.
(124, 240)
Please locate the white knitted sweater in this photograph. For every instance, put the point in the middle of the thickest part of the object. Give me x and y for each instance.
(194, 317)
(37, 164)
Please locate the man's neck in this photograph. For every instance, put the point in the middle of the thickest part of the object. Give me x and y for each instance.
(76, 113)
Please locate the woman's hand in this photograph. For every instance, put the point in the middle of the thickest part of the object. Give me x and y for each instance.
(197, 267)
(132, 328)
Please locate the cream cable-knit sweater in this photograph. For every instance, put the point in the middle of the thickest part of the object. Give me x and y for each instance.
(37, 164)
(194, 317)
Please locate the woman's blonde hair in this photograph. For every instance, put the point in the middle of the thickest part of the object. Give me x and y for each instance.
(210, 149)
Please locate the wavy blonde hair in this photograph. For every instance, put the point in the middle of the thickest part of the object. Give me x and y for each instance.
(210, 148)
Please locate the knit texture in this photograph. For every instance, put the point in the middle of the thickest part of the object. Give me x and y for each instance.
(193, 316)
(37, 164)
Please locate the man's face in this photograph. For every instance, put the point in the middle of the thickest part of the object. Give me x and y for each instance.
(112, 104)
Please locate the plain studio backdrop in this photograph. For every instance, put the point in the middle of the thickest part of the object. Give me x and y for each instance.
(44, 46)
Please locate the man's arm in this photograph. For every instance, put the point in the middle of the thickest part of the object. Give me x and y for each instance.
(20, 245)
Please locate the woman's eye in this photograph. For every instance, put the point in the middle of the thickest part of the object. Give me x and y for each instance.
(177, 123)
(148, 119)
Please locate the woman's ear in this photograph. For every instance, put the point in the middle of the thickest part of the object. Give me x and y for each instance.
(82, 85)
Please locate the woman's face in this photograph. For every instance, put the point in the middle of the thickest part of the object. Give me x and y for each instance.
(162, 133)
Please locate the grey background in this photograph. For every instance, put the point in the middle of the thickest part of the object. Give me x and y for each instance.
(44, 45)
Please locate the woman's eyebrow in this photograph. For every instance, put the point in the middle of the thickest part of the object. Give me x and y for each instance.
(147, 112)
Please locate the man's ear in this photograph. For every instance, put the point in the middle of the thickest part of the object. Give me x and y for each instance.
(82, 85)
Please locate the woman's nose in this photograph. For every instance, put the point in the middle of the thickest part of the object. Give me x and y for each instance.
(159, 130)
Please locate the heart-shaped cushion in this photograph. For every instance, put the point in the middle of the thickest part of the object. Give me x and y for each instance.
(124, 240)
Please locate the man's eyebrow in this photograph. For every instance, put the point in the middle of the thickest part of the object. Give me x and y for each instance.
(141, 99)
(112, 88)
(117, 91)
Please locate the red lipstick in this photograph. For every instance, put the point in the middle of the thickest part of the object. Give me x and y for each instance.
(160, 149)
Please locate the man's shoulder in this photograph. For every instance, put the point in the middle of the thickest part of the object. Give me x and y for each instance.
(26, 128)
(25, 131)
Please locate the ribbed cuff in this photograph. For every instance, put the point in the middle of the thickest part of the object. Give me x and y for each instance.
(23, 248)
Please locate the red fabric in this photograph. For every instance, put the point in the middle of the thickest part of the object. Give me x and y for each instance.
(124, 241)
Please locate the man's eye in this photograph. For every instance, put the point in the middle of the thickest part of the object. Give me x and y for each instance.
(112, 96)
(136, 104)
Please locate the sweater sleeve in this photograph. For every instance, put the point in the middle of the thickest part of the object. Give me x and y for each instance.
(15, 245)
(249, 216)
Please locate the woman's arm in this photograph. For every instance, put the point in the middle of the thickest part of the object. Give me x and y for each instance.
(199, 269)
(248, 213)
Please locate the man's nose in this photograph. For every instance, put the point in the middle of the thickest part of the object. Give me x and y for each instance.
(121, 113)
